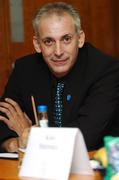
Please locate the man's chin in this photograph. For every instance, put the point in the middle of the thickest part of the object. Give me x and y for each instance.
(59, 73)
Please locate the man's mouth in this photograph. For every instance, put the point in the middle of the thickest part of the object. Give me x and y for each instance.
(59, 62)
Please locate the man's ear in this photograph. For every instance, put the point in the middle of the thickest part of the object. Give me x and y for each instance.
(36, 44)
(81, 39)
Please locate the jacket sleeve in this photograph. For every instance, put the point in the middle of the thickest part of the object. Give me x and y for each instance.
(11, 91)
(98, 114)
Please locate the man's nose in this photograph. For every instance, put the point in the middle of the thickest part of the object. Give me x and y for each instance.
(58, 49)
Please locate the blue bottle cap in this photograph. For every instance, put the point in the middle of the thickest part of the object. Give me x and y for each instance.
(41, 108)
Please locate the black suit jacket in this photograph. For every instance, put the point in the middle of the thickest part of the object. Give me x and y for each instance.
(92, 84)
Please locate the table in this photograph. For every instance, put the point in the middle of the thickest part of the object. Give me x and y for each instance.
(9, 171)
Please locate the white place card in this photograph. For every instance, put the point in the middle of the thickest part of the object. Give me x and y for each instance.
(52, 153)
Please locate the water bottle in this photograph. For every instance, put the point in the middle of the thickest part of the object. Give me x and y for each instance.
(42, 115)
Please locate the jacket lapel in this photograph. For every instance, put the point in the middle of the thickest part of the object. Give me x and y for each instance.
(75, 89)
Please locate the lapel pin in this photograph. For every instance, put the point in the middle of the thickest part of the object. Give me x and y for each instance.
(69, 97)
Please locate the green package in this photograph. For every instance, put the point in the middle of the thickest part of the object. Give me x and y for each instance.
(112, 148)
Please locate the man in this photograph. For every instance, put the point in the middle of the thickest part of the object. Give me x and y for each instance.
(89, 78)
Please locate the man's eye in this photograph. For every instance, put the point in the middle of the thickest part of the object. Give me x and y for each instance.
(67, 39)
(48, 42)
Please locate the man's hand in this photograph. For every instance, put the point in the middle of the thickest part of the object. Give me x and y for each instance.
(13, 144)
(10, 145)
(17, 120)
(23, 139)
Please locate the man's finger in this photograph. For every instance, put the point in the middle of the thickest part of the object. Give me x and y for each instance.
(15, 105)
(6, 111)
(5, 120)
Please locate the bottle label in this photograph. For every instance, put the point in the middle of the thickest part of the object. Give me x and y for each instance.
(43, 123)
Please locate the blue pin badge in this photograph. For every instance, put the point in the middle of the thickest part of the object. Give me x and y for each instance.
(69, 97)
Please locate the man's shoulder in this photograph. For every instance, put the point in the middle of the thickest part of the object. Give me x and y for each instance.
(96, 54)
(29, 59)
(96, 62)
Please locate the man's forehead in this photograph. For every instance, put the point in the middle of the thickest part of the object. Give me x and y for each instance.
(55, 18)
(56, 15)
(53, 27)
